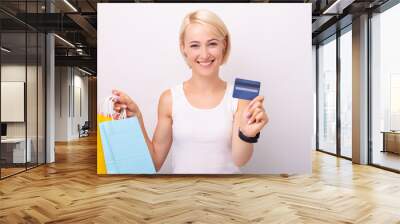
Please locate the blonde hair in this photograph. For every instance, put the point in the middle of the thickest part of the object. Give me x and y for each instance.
(206, 17)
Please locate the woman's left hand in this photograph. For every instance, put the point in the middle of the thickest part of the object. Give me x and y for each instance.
(254, 117)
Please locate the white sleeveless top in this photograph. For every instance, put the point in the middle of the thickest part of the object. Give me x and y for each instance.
(202, 138)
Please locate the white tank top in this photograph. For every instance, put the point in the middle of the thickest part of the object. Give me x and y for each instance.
(202, 138)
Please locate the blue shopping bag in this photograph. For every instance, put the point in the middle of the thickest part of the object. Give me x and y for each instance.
(125, 149)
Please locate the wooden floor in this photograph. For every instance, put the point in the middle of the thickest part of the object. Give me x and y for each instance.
(5, 172)
(69, 191)
(10, 171)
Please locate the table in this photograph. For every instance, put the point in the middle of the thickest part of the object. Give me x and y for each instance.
(17, 149)
(391, 141)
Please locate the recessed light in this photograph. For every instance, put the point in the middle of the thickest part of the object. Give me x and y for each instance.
(5, 50)
(70, 5)
(338, 6)
(64, 40)
(84, 71)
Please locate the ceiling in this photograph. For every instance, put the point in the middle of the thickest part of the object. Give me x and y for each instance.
(76, 22)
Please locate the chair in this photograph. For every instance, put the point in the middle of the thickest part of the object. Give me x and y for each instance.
(84, 130)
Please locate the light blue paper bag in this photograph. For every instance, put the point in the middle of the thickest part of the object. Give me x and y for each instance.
(125, 149)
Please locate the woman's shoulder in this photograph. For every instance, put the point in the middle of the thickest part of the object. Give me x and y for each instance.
(166, 96)
(165, 102)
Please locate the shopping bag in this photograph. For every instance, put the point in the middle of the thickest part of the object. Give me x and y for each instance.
(101, 164)
(124, 147)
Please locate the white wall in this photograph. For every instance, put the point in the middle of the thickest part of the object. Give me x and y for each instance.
(138, 53)
(61, 103)
(68, 81)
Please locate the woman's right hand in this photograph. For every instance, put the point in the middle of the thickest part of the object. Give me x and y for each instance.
(122, 100)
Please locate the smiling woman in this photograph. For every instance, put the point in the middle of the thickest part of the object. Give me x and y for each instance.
(195, 29)
(199, 118)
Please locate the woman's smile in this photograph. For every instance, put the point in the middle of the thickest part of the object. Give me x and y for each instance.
(206, 64)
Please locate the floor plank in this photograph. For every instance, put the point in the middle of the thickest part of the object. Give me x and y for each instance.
(70, 191)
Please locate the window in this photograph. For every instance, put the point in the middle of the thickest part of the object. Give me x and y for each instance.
(385, 88)
(327, 96)
(346, 93)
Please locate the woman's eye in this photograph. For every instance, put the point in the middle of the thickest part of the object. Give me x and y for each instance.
(213, 44)
(194, 46)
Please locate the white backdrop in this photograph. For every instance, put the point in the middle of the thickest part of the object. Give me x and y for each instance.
(138, 52)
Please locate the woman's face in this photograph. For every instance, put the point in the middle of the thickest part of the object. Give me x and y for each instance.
(204, 50)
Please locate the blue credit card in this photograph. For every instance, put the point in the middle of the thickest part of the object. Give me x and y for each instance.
(246, 89)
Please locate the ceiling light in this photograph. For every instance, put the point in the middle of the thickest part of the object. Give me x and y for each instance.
(70, 5)
(65, 41)
(5, 50)
(337, 7)
(84, 71)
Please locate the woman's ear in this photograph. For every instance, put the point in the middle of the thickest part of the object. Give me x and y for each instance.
(224, 43)
(183, 50)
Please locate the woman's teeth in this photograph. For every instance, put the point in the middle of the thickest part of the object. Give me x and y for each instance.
(205, 63)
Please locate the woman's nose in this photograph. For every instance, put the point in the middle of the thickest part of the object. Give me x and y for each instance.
(204, 53)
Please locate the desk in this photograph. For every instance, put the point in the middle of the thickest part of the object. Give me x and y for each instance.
(391, 141)
(17, 150)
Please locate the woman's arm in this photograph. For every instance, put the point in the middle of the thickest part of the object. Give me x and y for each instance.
(250, 118)
(162, 138)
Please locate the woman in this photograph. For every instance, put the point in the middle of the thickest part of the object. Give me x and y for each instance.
(199, 118)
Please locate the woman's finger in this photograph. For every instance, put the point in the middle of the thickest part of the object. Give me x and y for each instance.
(119, 106)
(260, 98)
(257, 99)
(116, 116)
(252, 102)
(122, 99)
(255, 112)
(266, 117)
(130, 114)
(253, 108)
(261, 121)
(116, 92)
(257, 104)
(116, 98)
(260, 117)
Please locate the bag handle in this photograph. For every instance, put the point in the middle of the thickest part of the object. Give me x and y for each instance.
(107, 108)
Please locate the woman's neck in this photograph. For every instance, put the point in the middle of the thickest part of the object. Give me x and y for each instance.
(205, 83)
